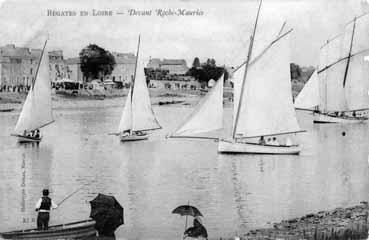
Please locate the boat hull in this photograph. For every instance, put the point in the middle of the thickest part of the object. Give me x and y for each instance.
(324, 118)
(27, 139)
(133, 137)
(75, 230)
(225, 146)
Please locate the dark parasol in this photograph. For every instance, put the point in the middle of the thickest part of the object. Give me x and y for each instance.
(108, 214)
(187, 210)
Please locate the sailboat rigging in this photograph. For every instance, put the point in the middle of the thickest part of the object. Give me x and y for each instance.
(37, 109)
(262, 104)
(138, 115)
(342, 57)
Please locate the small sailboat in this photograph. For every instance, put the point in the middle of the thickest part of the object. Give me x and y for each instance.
(37, 109)
(338, 92)
(138, 115)
(262, 105)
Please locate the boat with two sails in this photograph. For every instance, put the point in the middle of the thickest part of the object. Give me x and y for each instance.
(263, 105)
(37, 109)
(338, 91)
(138, 116)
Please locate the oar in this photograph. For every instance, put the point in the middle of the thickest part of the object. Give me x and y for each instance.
(69, 196)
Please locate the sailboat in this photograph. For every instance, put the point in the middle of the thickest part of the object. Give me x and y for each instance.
(338, 91)
(262, 105)
(37, 109)
(138, 115)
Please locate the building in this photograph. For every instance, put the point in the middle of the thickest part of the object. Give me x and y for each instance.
(73, 69)
(57, 65)
(18, 66)
(174, 66)
(124, 68)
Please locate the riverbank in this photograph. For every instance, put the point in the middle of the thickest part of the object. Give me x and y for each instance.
(13, 101)
(340, 223)
(162, 97)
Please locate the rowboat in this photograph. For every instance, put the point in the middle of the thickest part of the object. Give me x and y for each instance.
(74, 230)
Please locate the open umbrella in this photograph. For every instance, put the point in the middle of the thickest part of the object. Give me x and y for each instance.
(187, 210)
(108, 214)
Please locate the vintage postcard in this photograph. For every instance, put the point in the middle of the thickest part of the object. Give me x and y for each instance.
(184, 119)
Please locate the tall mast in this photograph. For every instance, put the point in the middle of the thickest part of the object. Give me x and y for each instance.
(134, 76)
(39, 63)
(349, 55)
(245, 74)
(138, 50)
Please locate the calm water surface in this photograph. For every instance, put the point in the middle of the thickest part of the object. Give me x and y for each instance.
(235, 193)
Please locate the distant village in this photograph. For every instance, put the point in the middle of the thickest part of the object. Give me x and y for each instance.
(18, 68)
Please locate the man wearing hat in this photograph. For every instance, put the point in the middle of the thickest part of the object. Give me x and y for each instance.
(43, 207)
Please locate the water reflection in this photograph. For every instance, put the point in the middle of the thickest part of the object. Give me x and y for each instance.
(234, 192)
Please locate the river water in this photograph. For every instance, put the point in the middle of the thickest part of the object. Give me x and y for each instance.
(235, 193)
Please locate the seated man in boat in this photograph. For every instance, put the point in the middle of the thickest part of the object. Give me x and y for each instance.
(140, 133)
(275, 142)
(125, 133)
(43, 207)
(262, 140)
(36, 133)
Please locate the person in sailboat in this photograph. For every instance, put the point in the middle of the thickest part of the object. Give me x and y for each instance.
(36, 133)
(196, 231)
(274, 142)
(43, 207)
(262, 140)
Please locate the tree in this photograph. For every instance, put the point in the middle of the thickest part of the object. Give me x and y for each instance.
(295, 71)
(196, 63)
(207, 71)
(96, 62)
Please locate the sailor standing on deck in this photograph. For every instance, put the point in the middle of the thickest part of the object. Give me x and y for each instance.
(43, 206)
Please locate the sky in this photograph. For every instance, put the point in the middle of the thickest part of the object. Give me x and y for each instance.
(222, 32)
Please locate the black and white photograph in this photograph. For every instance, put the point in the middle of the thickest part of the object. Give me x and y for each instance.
(184, 119)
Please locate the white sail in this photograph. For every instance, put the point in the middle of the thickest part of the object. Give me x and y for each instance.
(143, 117)
(208, 114)
(357, 83)
(309, 96)
(37, 109)
(333, 56)
(126, 118)
(267, 106)
(237, 83)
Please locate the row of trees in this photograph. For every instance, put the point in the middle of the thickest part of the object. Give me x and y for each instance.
(97, 62)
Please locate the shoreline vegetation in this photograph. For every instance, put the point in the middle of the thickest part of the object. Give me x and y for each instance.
(340, 223)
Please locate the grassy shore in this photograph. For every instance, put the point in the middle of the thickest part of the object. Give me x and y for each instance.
(340, 223)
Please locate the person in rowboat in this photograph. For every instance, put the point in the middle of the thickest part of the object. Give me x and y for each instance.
(43, 207)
